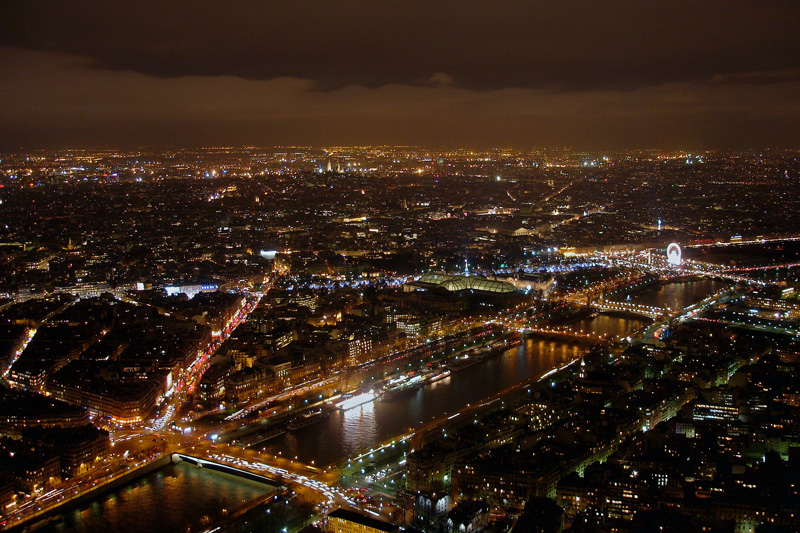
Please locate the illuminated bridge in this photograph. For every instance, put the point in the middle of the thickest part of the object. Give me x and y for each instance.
(566, 331)
(227, 468)
(253, 466)
(766, 267)
(628, 307)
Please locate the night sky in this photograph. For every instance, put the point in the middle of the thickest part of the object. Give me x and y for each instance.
(591, 74)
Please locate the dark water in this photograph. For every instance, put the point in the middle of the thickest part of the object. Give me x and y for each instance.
(612, 325)
(347, 433)
(172, 498)
(677, 295)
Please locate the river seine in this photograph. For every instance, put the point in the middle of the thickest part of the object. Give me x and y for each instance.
(173, 498)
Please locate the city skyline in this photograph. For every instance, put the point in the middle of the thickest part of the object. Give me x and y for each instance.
(400, 267)
(304, 321)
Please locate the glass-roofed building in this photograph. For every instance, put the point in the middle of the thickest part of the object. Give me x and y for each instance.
(461, 282)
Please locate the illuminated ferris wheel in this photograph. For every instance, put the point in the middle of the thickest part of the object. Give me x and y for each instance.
(674, 254)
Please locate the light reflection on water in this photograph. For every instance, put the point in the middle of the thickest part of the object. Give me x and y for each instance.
(611, 325)
(170, 499)
(678, 295)
(359, 429)
(359, 424)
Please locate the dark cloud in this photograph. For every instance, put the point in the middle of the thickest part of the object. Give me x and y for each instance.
(64, 100)
(570, 44)
(586, 73)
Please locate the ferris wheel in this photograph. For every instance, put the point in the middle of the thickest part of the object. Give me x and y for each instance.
(674, 254)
